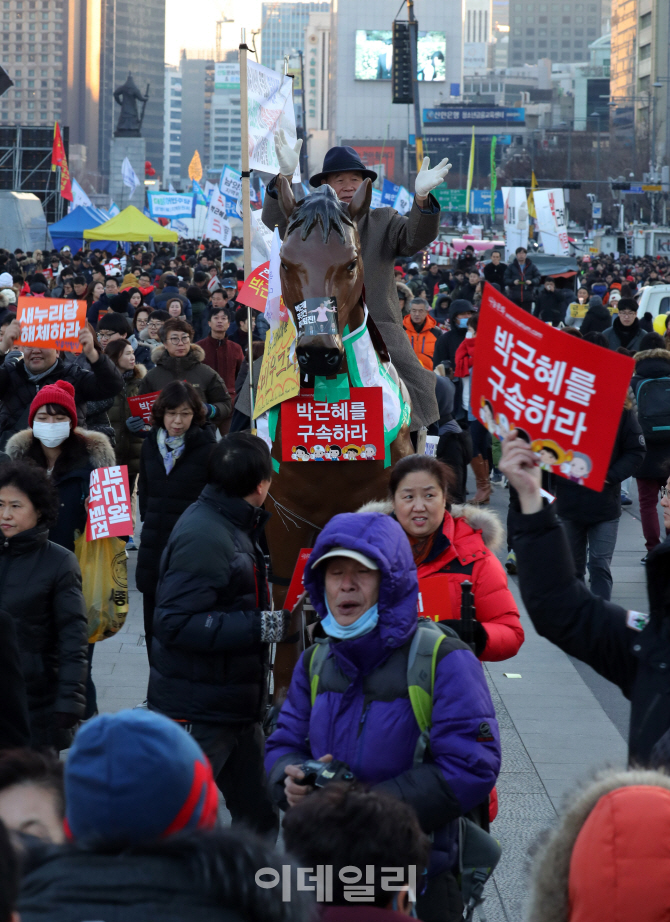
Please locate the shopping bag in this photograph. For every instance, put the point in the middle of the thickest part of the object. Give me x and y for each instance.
(104, 576)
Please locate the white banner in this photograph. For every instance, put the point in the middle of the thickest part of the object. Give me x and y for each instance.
(216, 224)
(79, 197)
(403, 201)
(129, 176)
(515, 217)
(550, 210)
(270, 109)
(261, 240)
(230, 183)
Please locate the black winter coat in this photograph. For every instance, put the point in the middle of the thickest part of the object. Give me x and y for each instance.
(583, 625)
(207, 660)
(654, 363)
(40, 586)
(14, 725)
(202, 877)
(580, 504)
(522, 295)
(495, 274)
(162, 498)
(17, 391)
(550, 307)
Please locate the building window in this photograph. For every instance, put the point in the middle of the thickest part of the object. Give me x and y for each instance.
(530, 31)
(645, 52)
(565, 44)
(645, 21)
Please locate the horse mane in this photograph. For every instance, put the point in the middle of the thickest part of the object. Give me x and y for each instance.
(322, 207)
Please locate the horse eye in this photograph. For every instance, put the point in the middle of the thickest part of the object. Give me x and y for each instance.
(284, 267)
(352, 266)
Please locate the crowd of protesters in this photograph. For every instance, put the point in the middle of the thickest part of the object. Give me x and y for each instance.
(126, 827)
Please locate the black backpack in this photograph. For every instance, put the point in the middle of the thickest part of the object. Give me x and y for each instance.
(653, 409)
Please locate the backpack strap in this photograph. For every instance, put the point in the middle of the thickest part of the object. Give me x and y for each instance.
(314, 658)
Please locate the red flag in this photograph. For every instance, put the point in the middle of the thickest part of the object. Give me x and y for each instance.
(58, 159)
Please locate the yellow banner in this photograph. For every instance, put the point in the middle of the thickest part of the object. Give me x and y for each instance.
(279, 378)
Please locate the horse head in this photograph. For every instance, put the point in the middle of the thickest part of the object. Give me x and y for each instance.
(321, 274)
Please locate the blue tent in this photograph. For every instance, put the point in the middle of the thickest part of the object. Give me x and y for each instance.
(69, 231)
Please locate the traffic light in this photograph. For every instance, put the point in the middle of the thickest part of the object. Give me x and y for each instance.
(570, 184)
(521, 182)
(621, 186)
(402, 78)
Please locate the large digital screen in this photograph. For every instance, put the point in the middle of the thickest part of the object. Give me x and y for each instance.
(374, 55)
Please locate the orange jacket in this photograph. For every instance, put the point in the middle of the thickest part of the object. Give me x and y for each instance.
(423, 343)
(463, 554)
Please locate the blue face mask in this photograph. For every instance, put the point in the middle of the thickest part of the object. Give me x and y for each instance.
(363, 625)
(463, 322)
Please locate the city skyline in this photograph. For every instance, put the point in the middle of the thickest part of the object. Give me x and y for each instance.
(199, 32)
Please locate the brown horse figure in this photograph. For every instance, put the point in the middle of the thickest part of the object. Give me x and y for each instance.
(321, 256)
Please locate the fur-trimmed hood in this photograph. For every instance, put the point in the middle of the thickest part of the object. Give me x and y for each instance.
(479, 519)
(618, 861)
(160, 356)
(652, 354)
(99, 450)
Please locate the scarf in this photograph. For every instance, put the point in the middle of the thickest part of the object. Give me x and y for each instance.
(171, 448)
(626, 334)
(42, 374)
(421, 547)
(363, 625)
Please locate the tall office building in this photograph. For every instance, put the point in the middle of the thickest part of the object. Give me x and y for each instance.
(172, 125)
(283, 27)
(197, 89)
(558, 31)
(33, 47)
(226, 143)
(133, 40)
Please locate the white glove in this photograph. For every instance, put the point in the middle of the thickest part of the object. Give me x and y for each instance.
(427, 179)
(288, 157)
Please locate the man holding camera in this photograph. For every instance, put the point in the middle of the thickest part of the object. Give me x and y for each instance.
(350, 713)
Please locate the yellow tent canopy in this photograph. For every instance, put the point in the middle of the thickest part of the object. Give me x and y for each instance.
(131, 225)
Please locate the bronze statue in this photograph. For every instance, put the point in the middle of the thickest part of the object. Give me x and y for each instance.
(127, 96)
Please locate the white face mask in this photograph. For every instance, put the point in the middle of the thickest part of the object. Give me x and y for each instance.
(51, 434)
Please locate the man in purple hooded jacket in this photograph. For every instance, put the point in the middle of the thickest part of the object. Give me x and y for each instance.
(362, 580)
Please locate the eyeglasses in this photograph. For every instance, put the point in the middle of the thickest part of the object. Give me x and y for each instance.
(182, 341)
(664, 493)
(153, 324)
(103, 336)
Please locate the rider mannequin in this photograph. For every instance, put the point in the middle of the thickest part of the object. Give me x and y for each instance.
(385, 235)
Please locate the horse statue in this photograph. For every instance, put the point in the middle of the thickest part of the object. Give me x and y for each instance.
(321, 260)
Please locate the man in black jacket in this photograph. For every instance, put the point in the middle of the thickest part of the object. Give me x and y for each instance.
(521, 277)
(592, 519)
(550, 306)
(628, 648)
(494, 272)
(21, 381)
(213, 626)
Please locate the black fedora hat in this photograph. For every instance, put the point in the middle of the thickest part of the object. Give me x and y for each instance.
(341, 160)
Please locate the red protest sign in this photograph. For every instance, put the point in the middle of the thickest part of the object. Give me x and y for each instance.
(254, 292)
(297, 587)
(109, 514)
(565, 395)
(141, 406)
(51, 323)
(348, 430)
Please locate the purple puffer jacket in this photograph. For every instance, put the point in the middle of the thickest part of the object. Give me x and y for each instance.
(378, 742)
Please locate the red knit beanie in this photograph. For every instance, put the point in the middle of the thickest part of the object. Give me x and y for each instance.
(61, 393)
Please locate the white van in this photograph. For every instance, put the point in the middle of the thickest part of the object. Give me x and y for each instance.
(654, 299)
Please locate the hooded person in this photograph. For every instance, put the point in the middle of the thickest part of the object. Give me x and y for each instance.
(550, 305)
(141, 809)
(597, 318)
(351, 702)
(385, 235)
(607, 856)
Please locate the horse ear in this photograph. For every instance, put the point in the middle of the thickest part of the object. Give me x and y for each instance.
(360, 203)
(286, 197)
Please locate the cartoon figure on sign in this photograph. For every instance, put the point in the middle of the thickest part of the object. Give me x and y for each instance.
(550, 454)
(318, 452)
(578, 469)
(300, 453)
(334, 453)
(503, 428)
(369, 453)
(486, 416)
(351, 452)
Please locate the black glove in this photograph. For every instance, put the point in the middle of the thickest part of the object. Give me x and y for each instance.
(64, 721)
(275, 625)
(479, 635)
(135, 424)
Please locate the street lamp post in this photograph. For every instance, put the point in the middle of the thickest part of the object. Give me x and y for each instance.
(596, 115)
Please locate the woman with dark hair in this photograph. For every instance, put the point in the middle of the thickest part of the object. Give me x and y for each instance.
(173, 472)
(40, 585)
(175, 309)
(128, 440)
(452, 546)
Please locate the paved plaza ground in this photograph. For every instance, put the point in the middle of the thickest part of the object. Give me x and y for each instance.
(559, 721)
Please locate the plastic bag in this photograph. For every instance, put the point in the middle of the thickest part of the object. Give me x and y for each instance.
(104, 574)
